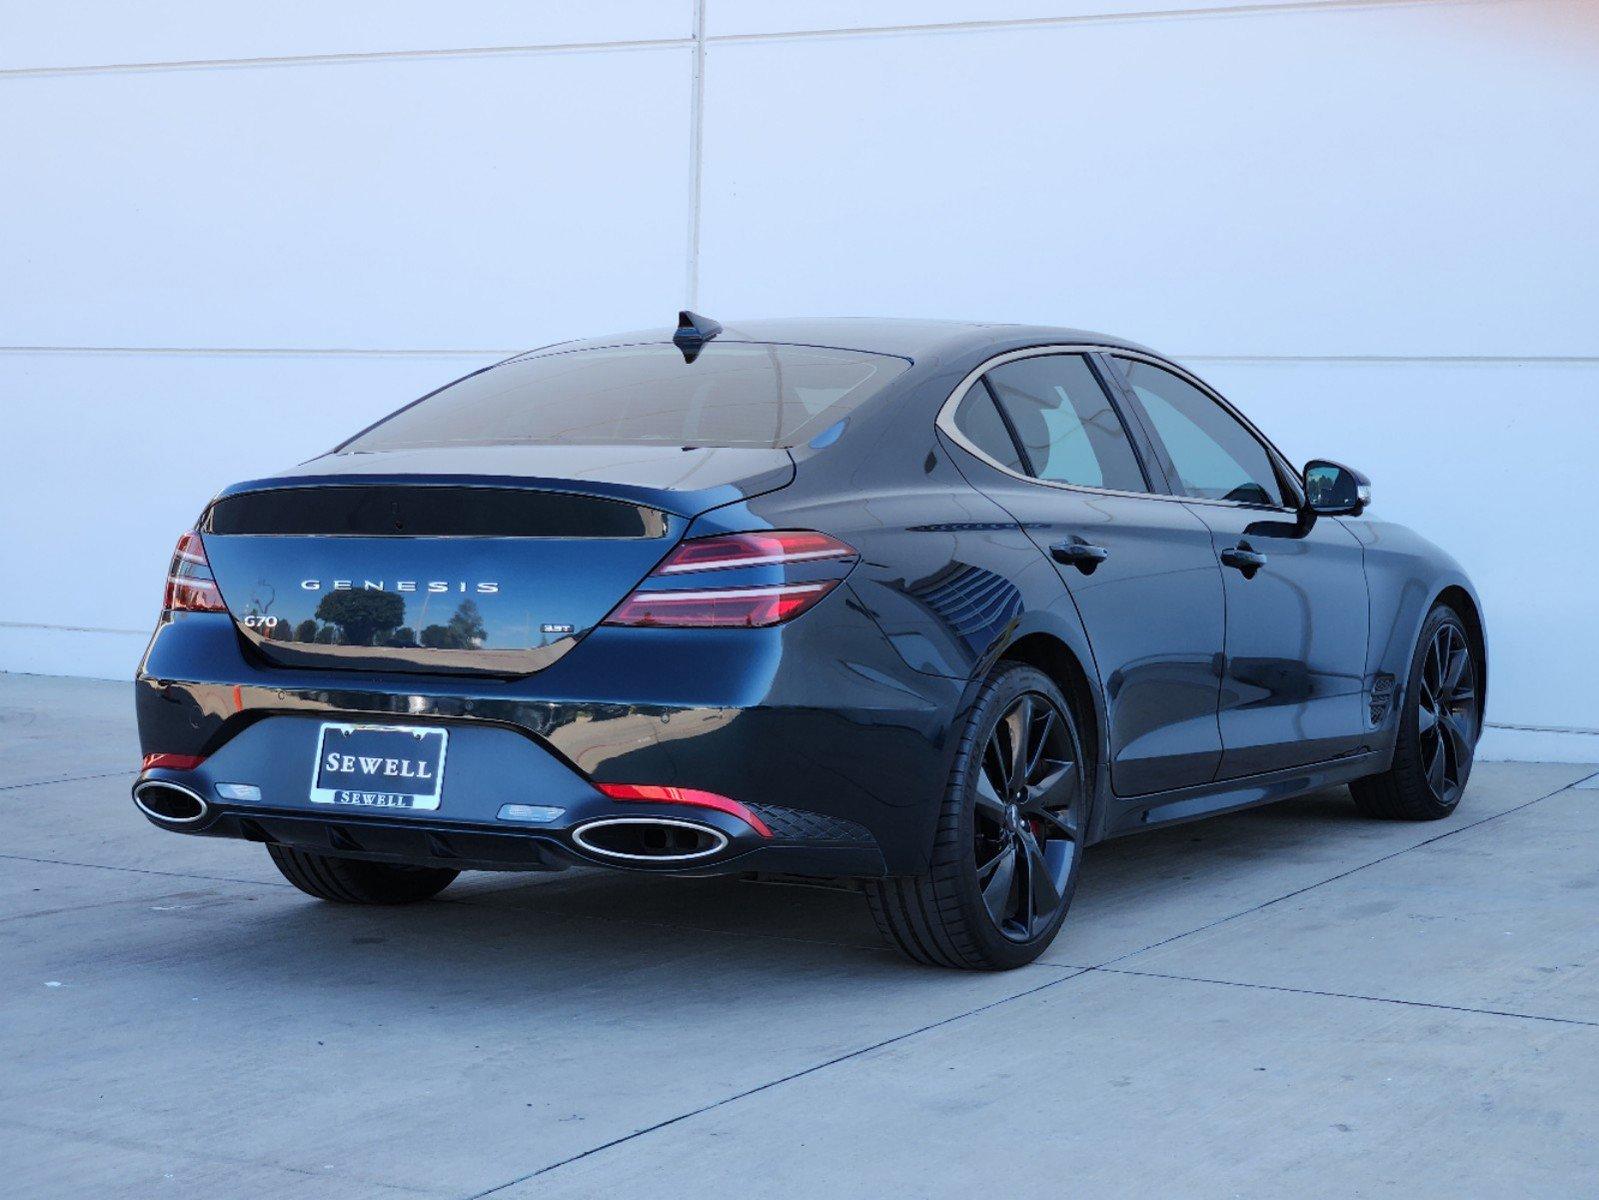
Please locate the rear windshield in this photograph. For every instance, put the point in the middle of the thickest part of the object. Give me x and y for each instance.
(732, 394)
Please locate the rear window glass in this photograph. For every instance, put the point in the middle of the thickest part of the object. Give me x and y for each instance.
(732, 394)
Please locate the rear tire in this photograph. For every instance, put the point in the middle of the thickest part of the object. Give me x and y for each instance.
(352, 881)
(1009, 835)
(1438, 728)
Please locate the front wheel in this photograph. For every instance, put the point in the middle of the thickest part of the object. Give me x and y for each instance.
(352, 881)
(1438, 728)
(1009, 835)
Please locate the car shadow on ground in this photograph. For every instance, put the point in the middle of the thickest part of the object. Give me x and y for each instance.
(529, 935)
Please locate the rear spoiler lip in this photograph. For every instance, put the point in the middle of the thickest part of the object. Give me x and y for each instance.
(686, 503)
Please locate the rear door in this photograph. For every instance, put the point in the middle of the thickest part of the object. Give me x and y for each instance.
(1292, 688)
(1052, 451)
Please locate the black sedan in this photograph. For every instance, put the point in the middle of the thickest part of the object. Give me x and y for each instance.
(924, 605)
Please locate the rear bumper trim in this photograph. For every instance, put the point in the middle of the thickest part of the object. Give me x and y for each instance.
(476, 848)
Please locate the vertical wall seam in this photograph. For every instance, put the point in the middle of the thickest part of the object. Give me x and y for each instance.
(696, 153)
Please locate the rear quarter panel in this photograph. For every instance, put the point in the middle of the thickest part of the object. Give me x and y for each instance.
(946, 574)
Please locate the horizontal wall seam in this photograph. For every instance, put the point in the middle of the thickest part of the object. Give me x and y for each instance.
(1486, 359)
(490, 352)
(980, 25)
(688, 42)
(351, 57)
(265, 351)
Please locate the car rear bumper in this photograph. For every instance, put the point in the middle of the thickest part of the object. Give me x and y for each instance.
(491, 771)
(844, 756)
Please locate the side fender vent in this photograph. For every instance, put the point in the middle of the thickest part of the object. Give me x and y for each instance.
(1382, 698)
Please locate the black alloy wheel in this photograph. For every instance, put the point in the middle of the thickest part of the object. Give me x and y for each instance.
(1025, 833)
(1009, 835)
(1440, 720)
(1446, 716)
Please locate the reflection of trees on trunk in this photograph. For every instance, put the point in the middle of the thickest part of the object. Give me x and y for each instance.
(465, 630)
(370, 618)
(361, 616)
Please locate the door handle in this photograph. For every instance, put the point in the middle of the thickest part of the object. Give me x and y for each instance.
(1085, 556)
(1242, 558)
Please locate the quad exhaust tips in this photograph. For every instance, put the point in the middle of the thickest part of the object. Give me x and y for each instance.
(649, 839)
(169, 803)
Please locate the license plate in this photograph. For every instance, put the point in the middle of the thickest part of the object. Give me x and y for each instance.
(379, 766)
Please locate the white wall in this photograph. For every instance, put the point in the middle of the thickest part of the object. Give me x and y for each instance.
(229, 236)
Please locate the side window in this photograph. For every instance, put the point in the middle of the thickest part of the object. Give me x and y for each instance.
(1068, 430)
(980, 423)
(1216, 457)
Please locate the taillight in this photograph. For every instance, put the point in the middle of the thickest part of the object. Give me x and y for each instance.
(753, 550)
(753, 606)
(696, 604)
(190, 585)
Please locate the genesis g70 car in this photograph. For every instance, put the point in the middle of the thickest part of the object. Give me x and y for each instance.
(926, 607)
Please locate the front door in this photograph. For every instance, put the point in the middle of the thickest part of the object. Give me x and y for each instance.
(1293, 680)
(1141, 568)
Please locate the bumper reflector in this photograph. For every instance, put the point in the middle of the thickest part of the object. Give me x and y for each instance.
(652, 794)
(529, 812)
(172, 762)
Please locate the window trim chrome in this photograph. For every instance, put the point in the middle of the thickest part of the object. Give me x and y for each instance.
(945, 422)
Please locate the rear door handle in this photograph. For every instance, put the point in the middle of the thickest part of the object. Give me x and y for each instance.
(1085, 556)
(1242, 558)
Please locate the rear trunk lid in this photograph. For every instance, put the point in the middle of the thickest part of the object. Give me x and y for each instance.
(494, 560)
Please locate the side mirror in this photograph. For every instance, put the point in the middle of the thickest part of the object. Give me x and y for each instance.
(1334, 490)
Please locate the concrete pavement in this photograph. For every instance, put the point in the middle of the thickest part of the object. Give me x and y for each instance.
(1291, 1001)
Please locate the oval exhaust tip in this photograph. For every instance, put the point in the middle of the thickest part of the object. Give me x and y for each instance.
(169, 803)
(649, 839)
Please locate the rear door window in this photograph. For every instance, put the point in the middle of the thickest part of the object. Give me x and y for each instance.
(980, 424)
(1068, 429)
